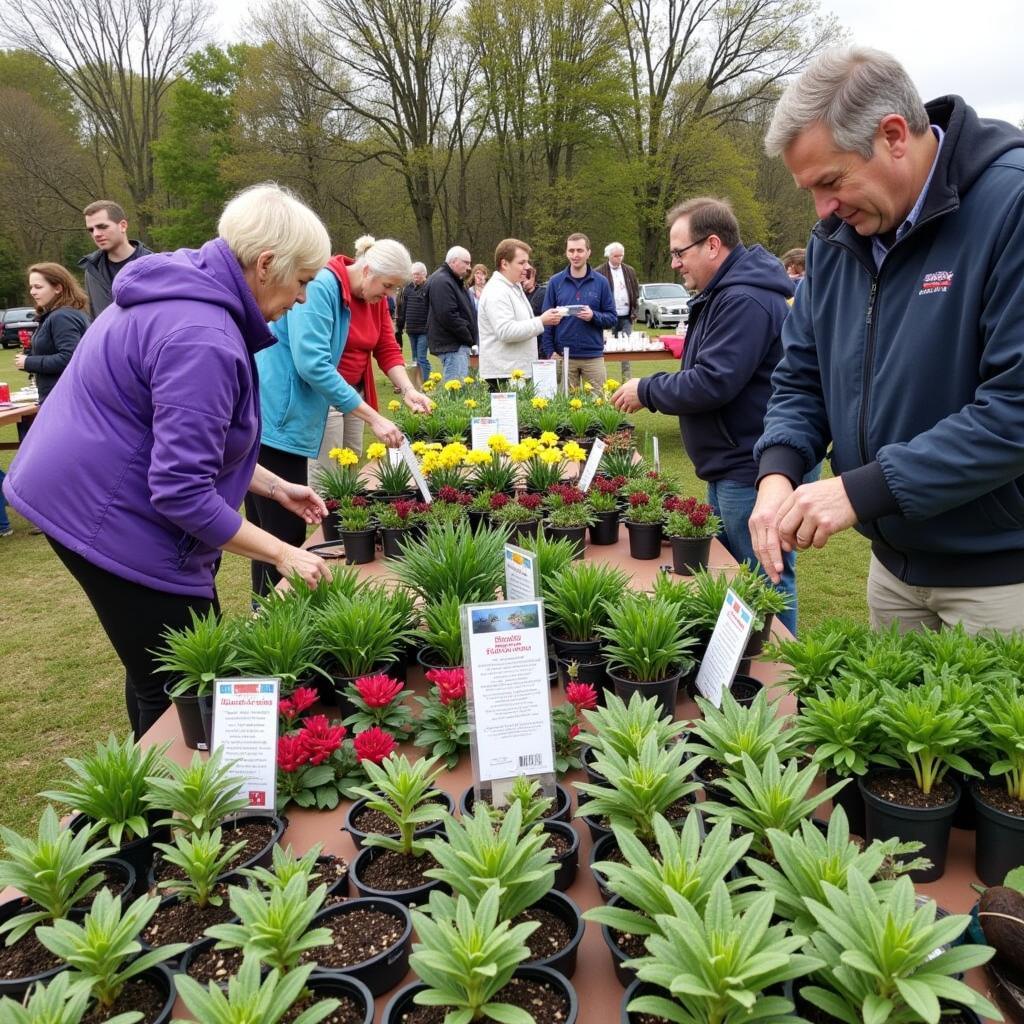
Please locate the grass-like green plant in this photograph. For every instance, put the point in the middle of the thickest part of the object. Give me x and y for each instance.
(551, 556)
(451, 559)
(110, 786)
(355, 517)
(278, 642)
(361, 632)
(570, 515)
(393, 477)
(199, 796)
(199, 653)
(467, 958)
(54, 870)
(643, 639)
(337, 483)
(814, 661)
(719, 964)
(622, 728)
(618, 458)
(442, 620)
(684, 862)
(578, 598)
(497, 474)
(708, 590)
(274, 924)
(203, 858)
(401, 791)
(880, 964)
(1002, 723)
(840, 727)
(59, 1002)
(638, 788)
(285, 865)
(758, 593)
(479, 853)
(248, 998)
(103, 951)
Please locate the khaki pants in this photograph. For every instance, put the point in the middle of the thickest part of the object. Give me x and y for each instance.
(918, 608)
(592, 370)
(341, 432)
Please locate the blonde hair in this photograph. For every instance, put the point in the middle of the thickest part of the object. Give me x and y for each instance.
(270, 218)
(384, 258)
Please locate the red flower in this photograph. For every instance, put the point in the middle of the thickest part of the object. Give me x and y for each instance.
(450, 683)
(291, 753)
(332, 504)
(449, 494)
(304, 697)
(582, 696)
(530, 501)
(574, 730)
(320, 738)
(688, 505)
(499, 500)
(360, 502)
(673, 504)
(378, 691)
(699, 516)
(373, 745)
(286, 708)
(638, 499)
(404, 509)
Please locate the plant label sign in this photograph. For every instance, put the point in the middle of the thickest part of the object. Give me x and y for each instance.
(394, 456)
(414, 469)
(482, 429)
(545, 378)
(507, 694)
(505, 410)
(728, 642)
(245, 727)
(521, 582)
(565, 371)
(590, 467)
(656, 454)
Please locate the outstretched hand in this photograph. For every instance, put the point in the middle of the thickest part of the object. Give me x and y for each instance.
(301, 500)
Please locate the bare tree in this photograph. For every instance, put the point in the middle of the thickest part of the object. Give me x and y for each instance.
(118, 58)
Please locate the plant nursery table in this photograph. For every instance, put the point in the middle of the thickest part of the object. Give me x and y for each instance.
(16, 414)
(600, 994)
(638, 355)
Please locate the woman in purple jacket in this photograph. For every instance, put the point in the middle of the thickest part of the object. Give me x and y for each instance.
(136, 472)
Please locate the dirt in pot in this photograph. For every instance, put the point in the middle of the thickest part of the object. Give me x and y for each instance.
(631, 945)
(370, 821)
(348, 1012)
(541, 1000)
(329, 871)
(112, 879)
(215, 965)
(559, 844)
(550, 938)
(355, 938)
(390, 871)
(997, 797)
(255, 834)
(902, 790)
(138, 994)
(184, 921)
(27, 957)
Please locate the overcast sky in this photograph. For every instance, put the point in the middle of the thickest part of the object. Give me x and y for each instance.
(948, 46)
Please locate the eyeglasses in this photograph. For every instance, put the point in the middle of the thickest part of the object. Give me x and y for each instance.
(677, 254)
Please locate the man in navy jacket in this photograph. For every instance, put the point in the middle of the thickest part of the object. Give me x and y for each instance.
(905, 349)
(732, 346)
(582, 332)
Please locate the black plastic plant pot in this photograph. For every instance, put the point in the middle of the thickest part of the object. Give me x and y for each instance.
(744, 689)
(402, 1002)
(120, 880)
(966, 816)
(263, 857)
(566, 864)
(137, 852)
(592, 774)
(360, 545)
(999, 843)
(359, 836)
(206, 714)
(392, 539)
(595, 826)
(625, 975)
(690, 554)
(561, 809)
(564, 960)
(161, 978)
(605, 531)
(16, 987)
(193, 732)
(930, 826)
(636, 989)
(575, 650)
(756, 642)
(414, 896)
(344, 987)
(576, 534)
(665, 690)
(524, 531)
(851, 801)
(603, 846)
(476, 518)
(593, 671)
(644, 540)
(330, 527)
(428, 659)
(384, 971)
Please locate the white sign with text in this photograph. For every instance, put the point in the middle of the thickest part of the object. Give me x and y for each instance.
(245, 727)
(505, 410)
(545, 378)
(725, 649)
(521, 583)
(482, 429)
(590, 467)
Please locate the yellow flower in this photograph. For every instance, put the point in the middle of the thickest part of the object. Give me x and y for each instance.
(435, 376)
(376, 450)
(470, 403)
(550, 456)
(434, 446)
(453, 385)
(573, 452)
(394, 405)
(498, 443)
(587, 386)
(467, 380)
(598, 401)
(532, 444)
(428, 385)
(343, 456)
(539, 403)
(477, 457)
(548, 437)
(610, 385)
(456, 448)
(518, 453)
(575, 403)
(431, 461)
(418, 447)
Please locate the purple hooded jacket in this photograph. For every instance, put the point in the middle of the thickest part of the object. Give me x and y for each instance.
(144, 450)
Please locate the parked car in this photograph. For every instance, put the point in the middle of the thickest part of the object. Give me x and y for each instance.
(663, 305)
(16, 320)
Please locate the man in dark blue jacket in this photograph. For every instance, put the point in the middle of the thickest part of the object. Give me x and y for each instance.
(732, 346)
(591, 313)
(905, 348)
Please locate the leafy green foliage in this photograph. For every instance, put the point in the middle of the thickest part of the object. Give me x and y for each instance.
(622, 728)
(643, 639)
(59, 1002)
(199, 653)
(442, 620)
(1001, 718)
(454, 560)
(361, 631)
(813, 659)
(841, 727)
(279, 641)
(198, 796)
(284, 866)
(204, 858)
(577, 600)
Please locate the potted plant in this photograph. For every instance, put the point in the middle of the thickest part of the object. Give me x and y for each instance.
(316, 766)
(396, 521)
(393, 477)
(645, 648)
(357, 528)
(59, 1002)
(195, 656)
(621, 460)
(814, 659)
(519, 516)
(550, 557)
(491, 472)
(279, 641)
(576, 604)
(568, 516)
(442, 634)
(454, 560)
(443, 724)
(378, 700)
(337, 483)
(690, 526)
(603, 501)
(543, 468)
(643, 517)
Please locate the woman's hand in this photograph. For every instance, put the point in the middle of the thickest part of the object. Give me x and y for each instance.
(312, 568)
(551, 317)
(301, 500)
(19, 360)
(417, 401)
(386, 431)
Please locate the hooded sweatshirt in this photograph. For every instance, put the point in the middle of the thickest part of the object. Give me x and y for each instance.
(732, 346)
(141, 457)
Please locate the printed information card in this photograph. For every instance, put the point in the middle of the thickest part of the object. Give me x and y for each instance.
(545, 378)
(521, 583)
(505, 410)
(482, 429)
(414, 469)
(590, 467)
(728, 642)
(245, 726)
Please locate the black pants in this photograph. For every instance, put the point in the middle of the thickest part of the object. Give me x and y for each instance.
(134, 618)
(268, 515)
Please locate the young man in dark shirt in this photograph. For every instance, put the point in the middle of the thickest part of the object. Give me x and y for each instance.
(107, 223)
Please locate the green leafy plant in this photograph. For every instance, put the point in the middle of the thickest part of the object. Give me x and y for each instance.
(526, 793)
(513, 513)
(280, 641)
(708, 591)
(59, 1002)
(392, 477)
(495, 475)
(578, 598)
(335, 482)
(443, 725)
(1002, 722)
(103, 951)
(197, 797)
(879, 956)
(644, 510)
(758, 593)
(401, 792)
(813, 660)
(198, 654)
(362, 632)
(720, 963)
(250, 999)
(609, 422)
(204, 859)
(543, 471)
(465, 960)
(110, 786)
(54, 870)
(622, 728)
(697, 523)
(602, 501)
(285, 865)
(571, 515)
(355, 515)
(400, 515)
(551, 555)
(442, 620)
(883, 658)
(642, 638)
(454, 560)
(379, 700)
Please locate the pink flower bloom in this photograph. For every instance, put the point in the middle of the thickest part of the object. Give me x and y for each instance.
(639, 499)
(450, 683)
(286, 708)
(373, 745)
(574, 730)
(291, 753)
(303, 698)
(320, 738)
(582, 696)
(378, 691)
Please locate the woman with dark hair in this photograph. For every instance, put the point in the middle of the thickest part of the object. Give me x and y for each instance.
(60, 308)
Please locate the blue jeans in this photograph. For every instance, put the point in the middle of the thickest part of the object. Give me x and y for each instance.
(733, 503)
(418, 342)
(5, 523)
(455, 365)
(623, 325)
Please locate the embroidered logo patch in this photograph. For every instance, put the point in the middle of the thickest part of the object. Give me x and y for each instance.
(937, 281)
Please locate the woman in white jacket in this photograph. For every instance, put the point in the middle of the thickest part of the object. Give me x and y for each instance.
(508, 328)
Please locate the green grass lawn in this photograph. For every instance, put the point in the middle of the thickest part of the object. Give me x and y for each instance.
(61, 686)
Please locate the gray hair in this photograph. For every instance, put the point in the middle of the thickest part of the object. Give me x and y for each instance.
(270, 218)
(457, 252)
(384, 257)
(612, 247)
(848, 91)
(418, 268)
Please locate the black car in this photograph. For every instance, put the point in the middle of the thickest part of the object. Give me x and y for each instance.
(16, 320)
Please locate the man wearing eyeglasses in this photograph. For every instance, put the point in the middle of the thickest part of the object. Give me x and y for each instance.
(721, 390)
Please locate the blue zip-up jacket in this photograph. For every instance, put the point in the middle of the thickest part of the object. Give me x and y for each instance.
(914, 372)
(583, 339)
(299, 375)
(721, 390)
